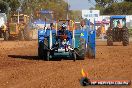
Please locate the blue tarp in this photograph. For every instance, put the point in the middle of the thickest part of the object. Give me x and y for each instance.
(46, 12)
(40, 22)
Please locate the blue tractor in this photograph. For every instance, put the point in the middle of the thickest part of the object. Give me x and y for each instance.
(117, 32)
(63, 39)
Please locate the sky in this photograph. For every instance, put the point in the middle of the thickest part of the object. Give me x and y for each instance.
(81, 4)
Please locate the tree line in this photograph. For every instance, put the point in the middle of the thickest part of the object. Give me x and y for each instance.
(112, 7)
(31, 7)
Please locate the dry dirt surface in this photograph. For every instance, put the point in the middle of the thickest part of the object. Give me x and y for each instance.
(20, 67)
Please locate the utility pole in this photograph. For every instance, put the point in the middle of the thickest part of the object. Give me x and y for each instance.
(19, 9)
(68, 10)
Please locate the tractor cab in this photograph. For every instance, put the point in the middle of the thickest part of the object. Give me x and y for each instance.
(117, 21)
(22, 18)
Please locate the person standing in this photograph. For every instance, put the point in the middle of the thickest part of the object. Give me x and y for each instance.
(102, 31)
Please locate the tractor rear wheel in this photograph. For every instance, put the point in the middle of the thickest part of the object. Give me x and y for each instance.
(40, 53)
(43, 54)
(81, 49)
(125, 39)
(27, 33)
(21, 35)
(48, 56)
(80, 54)
(1, 35)
(109, 37)
(6, 35)
(74, 56)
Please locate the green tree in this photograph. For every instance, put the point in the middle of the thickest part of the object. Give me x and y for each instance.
(13, 4)
(112, 7)
(124, 8)
(3, 7)
(104, 3)
(33, 6)
(75, 15)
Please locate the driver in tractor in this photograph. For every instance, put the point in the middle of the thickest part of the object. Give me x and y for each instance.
(63, 36)
(119, 24)
(63, 28)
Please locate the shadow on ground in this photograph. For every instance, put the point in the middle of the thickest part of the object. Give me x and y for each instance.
(107, 45)
(37, 58)
(24, 57)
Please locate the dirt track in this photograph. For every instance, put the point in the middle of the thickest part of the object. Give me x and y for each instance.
(19, 67)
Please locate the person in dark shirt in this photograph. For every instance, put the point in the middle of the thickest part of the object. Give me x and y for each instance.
(119, 24)
(63, 28)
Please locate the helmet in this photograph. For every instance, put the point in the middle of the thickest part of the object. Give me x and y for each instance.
(63, 25)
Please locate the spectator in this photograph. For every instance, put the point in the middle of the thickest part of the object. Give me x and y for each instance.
(102, 31)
